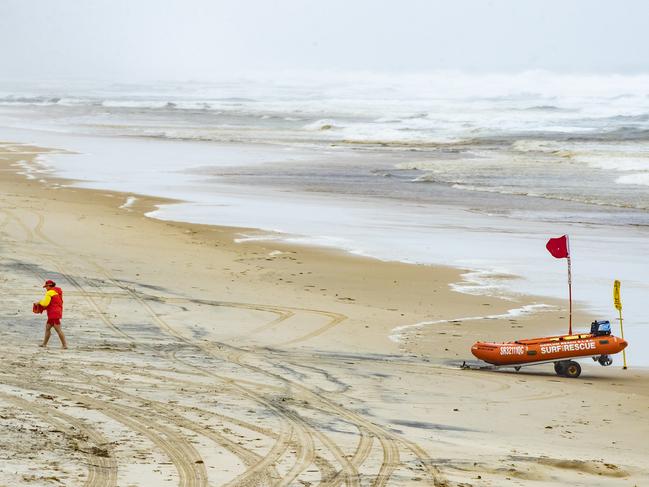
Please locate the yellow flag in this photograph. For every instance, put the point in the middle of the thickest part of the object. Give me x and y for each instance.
(616, 295)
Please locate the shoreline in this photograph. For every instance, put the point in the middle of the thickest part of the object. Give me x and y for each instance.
(511, 246)
(145, 204)
(277, 361)
(506, 302)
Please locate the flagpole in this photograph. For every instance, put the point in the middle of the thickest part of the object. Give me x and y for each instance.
(559, 248)
(569, 298)
(569, 287)
(622, 334)
(618, 304)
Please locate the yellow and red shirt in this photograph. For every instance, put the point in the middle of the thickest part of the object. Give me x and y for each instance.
(53, 303)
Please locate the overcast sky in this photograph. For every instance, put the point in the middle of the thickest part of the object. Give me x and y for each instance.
(212, 39)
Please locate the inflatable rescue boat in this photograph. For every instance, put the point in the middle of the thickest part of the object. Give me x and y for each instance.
(598, 344)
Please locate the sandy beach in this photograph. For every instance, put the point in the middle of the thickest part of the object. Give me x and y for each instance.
(198, 360)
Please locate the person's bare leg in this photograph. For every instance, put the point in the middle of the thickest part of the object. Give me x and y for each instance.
(48, 333)
(59, 332)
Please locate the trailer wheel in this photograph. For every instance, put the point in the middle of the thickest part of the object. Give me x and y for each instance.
(560, 368)
(573, 370)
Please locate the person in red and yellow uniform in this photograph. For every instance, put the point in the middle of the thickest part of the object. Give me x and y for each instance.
(53, 304)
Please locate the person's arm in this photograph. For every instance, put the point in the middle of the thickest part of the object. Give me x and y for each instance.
(45, 302)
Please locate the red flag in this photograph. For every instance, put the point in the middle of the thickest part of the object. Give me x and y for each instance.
(558, 247)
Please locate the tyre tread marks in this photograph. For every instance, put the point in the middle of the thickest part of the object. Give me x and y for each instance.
(248, 457)
(187, 461)
(102, 470)
(389, 442)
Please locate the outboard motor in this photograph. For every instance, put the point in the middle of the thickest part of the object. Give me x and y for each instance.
(600, 328)
(605, 360)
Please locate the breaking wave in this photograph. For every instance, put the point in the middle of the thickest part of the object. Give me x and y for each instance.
(579, 138)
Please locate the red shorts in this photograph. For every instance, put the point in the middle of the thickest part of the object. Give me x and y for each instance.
(54, 321)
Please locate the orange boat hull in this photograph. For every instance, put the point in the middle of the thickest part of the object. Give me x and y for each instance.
(547, 349)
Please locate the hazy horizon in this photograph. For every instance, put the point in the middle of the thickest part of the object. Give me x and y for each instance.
(202, 40)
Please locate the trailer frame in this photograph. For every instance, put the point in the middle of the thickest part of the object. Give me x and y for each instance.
(518, 366)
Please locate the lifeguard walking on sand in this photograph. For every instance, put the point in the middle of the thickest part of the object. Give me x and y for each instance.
(53, 304)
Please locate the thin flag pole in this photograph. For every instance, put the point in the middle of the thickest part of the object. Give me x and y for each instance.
(559, 248)
(618, 304)
(569, 298)
(569, 288)
(622, 333)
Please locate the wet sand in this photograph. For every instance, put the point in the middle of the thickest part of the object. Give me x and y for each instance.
(196, 360)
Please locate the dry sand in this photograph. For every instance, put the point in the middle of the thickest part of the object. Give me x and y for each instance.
(195, 360)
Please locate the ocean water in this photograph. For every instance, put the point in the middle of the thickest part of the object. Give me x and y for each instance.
(475, 172)
(583, 139)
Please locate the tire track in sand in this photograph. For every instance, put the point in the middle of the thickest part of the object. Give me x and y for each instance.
(349, 470)
(250, 458)
(388, 441)
(102, 468)
(187, 461)
(172, 444)
(306, 453)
